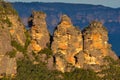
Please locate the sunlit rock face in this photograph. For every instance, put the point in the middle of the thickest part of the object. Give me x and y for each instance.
(67, 42)
(8, 66)
(39, 34)
(95, 42)
(11, 29)
(17, 30)
(71, 47)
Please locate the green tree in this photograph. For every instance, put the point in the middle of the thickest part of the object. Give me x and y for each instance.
(112, 71)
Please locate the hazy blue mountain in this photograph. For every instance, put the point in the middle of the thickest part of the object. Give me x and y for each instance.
(81, 15)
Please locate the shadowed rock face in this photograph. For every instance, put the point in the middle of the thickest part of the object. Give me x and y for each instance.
(67, 42)
(39, 34)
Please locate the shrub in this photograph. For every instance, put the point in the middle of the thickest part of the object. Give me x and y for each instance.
(81, 74)
(27, 42)
(46, 51)
(28, 71)
(113, 71)
(8, 22)
(12, 53)
(17, 46)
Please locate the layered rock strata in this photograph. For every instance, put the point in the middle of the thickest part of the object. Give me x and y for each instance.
(67, 42)
(40, 36)
(71, 47)
(88, 48)
(95, 42)
(11, 30)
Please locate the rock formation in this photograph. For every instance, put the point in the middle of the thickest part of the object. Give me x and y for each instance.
(67, 42)
(88, 48)
(71, 47)
(11, 29)
(96, 46)
(40, 36)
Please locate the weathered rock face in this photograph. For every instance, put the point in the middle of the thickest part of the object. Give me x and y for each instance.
(11, 21)
(70, 47)
(96, 45)
(7, 66)
(17, 30)
(39, 34)
(10, 29)
(67, 42)
(81, 50)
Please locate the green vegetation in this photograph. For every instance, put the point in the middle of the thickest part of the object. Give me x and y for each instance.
(112, 72)
(17, 46)
(12, 53)
(6, 8)
(5, 20)
(8, 22)
(46, 51)
(27, 42)
(81, 74)
(28, 71)
(6, 78)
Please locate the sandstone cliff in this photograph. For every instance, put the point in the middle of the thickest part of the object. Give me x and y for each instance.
(40, 36)
(11, 29)
(96, 45)
(80, 49)
(67, 42)
(70, 47)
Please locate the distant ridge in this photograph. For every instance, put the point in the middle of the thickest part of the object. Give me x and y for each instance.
(76, 4)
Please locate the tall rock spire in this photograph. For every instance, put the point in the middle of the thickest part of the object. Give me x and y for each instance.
(67, 42)
(40, 36)
(96, 46)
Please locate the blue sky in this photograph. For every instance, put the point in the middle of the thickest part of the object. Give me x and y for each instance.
(110, 3)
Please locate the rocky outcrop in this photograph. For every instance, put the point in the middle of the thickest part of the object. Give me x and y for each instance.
(40, 36)
(67, 42)
(81, 50)
(96, 46)
(71, 47)
(17, 30)
(11, 29)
